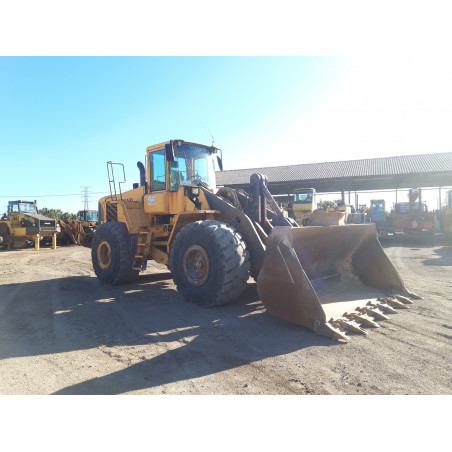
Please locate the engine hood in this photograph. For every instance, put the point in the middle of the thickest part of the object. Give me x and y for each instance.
(38, 216)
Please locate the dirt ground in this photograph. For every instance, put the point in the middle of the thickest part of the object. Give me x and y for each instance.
(63, 332)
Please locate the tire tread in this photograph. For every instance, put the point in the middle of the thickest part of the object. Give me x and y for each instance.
(234, 259)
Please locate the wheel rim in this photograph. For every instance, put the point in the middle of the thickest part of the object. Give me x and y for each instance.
(196, 265)
(104, 255)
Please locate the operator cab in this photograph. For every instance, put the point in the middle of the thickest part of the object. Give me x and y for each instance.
(189, 164)
(87, 215)
(305, 196)
(25, 207)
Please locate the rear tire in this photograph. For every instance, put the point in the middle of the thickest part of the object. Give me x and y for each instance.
(111, 254)
(210, 263)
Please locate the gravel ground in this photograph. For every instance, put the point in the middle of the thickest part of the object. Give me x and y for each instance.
(63, 332)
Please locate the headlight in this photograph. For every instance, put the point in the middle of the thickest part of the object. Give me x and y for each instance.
(195, 191)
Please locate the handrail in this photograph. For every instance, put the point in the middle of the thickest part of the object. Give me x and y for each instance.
(111, 180)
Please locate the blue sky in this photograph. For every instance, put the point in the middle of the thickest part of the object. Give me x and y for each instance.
(63, 118)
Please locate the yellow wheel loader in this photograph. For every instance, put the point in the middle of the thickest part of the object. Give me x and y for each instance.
(80, 231)
(333, 279)
(22, 225)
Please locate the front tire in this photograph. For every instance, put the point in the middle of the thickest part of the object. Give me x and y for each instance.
(210, 263)
(111, 254)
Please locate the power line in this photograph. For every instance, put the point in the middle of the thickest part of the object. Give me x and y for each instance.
(48, 196)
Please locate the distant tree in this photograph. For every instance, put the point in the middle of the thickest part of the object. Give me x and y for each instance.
(323, 205)
(58, 214)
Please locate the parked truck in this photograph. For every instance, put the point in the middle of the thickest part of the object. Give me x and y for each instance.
(304, 202)
(412, 218)
(22, 225)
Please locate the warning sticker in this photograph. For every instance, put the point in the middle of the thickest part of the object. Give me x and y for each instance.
(151, 200)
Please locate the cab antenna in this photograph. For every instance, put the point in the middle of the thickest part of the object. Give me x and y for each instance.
(213, 141)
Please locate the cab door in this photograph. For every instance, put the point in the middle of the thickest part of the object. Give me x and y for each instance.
(13, 214)
(156, 202)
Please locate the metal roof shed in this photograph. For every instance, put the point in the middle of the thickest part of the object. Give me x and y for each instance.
(421, 170)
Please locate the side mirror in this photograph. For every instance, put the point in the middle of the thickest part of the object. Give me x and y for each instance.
(220, 163)
(169, 152)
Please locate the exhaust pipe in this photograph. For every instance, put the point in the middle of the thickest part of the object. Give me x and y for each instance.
(142, 174)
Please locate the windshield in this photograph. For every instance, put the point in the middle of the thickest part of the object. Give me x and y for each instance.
(378, 209)
(91, 215)
(88, 215)
(23, 207)
(404, 207)
(300, 197)
(192, 164)
(378, 205)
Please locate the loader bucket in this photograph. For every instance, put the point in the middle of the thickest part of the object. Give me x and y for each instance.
(328, 278)
(321, 218)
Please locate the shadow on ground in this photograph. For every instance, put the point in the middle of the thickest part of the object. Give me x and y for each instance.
(186, 341)
(443, 257)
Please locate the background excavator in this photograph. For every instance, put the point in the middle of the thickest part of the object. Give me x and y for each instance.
(333, 279)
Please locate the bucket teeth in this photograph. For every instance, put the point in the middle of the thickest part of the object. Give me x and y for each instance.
(384, 307)
(373, 311)
(403, 299)
(349, 325)
(415, 296)
(362, 318)
(331, 330)
(395, 303)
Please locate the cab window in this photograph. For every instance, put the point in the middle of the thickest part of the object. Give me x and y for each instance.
(157, 169)
(91, 216)
(303, 197)
(13, 207)
(178, 173)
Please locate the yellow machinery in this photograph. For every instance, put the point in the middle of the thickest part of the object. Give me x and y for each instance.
(80, 231)
(303, 204)
(22, 225)
(332, 279)
(446, 217)
(341, 207)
